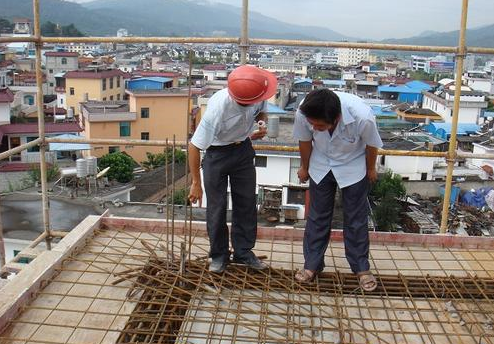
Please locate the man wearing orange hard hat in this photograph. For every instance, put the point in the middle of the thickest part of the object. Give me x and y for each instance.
(225, 133)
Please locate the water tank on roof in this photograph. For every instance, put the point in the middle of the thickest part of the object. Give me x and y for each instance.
(273, 127)
(92, 166)
(81, 167)
(70, 113)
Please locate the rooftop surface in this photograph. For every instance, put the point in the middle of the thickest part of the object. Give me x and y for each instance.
(118, 280)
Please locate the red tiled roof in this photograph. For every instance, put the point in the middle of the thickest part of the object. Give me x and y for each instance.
(17, 167)
(32, 128)
(6, 63)
(61, 54)
(156, 74)
(58, 111)
(93, 74)
(6, 95)
(215, 67)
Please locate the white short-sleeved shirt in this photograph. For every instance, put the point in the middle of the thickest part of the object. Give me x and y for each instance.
(343, 152)
(225, 121)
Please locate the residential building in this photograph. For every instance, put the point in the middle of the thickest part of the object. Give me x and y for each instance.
(59, 62)
(97, 84)
(478, 81)
(149, 83)
(351, 56)
(329, 58)
(122, 33)
(147, 115)
(472, 104)
(284, 65)
(215, 72)
(411, 92)
(6, 98)
(174, 76)
(418, 62)
(486, 147)
(14, 135)
(22, 28)
(82, 48)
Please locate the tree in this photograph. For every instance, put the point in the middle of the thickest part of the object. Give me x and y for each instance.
(385, 192)
(71, 31)
(51, 29)
(156, 160)
(121, 166)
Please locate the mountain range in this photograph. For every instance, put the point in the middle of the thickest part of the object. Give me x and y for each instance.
(201, 18)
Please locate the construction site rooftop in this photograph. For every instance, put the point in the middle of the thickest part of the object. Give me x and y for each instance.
(132, 280)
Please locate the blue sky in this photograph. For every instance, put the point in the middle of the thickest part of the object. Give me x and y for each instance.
(373, 19)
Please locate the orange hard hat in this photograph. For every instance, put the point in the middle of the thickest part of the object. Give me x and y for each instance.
(249, 84)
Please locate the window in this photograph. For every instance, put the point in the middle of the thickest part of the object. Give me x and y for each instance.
(29, 100)
(64, 60)
(144, 112)
(104, 84)
(51, 84)
(104, 99)
(124, 129)
(113, 149)
(61, 101)
(118, 96)
(261, 161)
(50, 71)
(32, 149)
(423, 176)
(145, 136)
(294, 166)
(111, 97)
(118, 81)
(296, 196)
(72, 91)
(111, 83)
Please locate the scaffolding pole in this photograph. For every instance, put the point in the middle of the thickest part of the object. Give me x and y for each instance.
(41, 127)
(244, 39)
(451, 158)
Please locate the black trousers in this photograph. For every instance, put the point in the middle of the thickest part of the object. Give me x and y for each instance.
(234, 163)
(355, 223)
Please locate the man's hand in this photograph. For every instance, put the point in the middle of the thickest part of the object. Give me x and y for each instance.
(259, 134)
(303, 174)
(195, 193)
(372, 175)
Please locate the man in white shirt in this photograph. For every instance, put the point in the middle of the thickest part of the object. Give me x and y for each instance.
(225, 133)
(338, 141)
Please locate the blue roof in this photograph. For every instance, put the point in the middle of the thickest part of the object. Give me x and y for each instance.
(398, 89)
(153, 78)
(419, 85)
(301, 81)
(273, 109)
(443, 130)
(67, 147)
(487, 114)
(334, 82)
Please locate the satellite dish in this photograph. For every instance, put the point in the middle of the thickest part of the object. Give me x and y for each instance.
(103, 173)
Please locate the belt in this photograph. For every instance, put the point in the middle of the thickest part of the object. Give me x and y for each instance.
(231, 145)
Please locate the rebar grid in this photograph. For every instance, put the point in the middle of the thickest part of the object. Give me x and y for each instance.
(124, 288)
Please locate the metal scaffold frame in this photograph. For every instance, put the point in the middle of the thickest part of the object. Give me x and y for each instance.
(244, 42)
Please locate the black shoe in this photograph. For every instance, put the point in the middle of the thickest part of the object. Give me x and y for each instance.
(217, 265)
(251, 261)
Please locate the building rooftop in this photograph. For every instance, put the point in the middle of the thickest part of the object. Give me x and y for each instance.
(61, 54)
(119, 280)
(32, 128)
(106, 106)
(6, 95)
(167, 92)
(94, 74)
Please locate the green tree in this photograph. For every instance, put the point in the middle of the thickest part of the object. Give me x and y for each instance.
(385, 192)
(6, 26)
(179, 197)
(52, 173)
(121, 166)
(156, 160)
(50, 29)
(71, 31)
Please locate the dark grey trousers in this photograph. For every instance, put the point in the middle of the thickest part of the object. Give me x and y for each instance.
(355, 223)
(234, 162)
